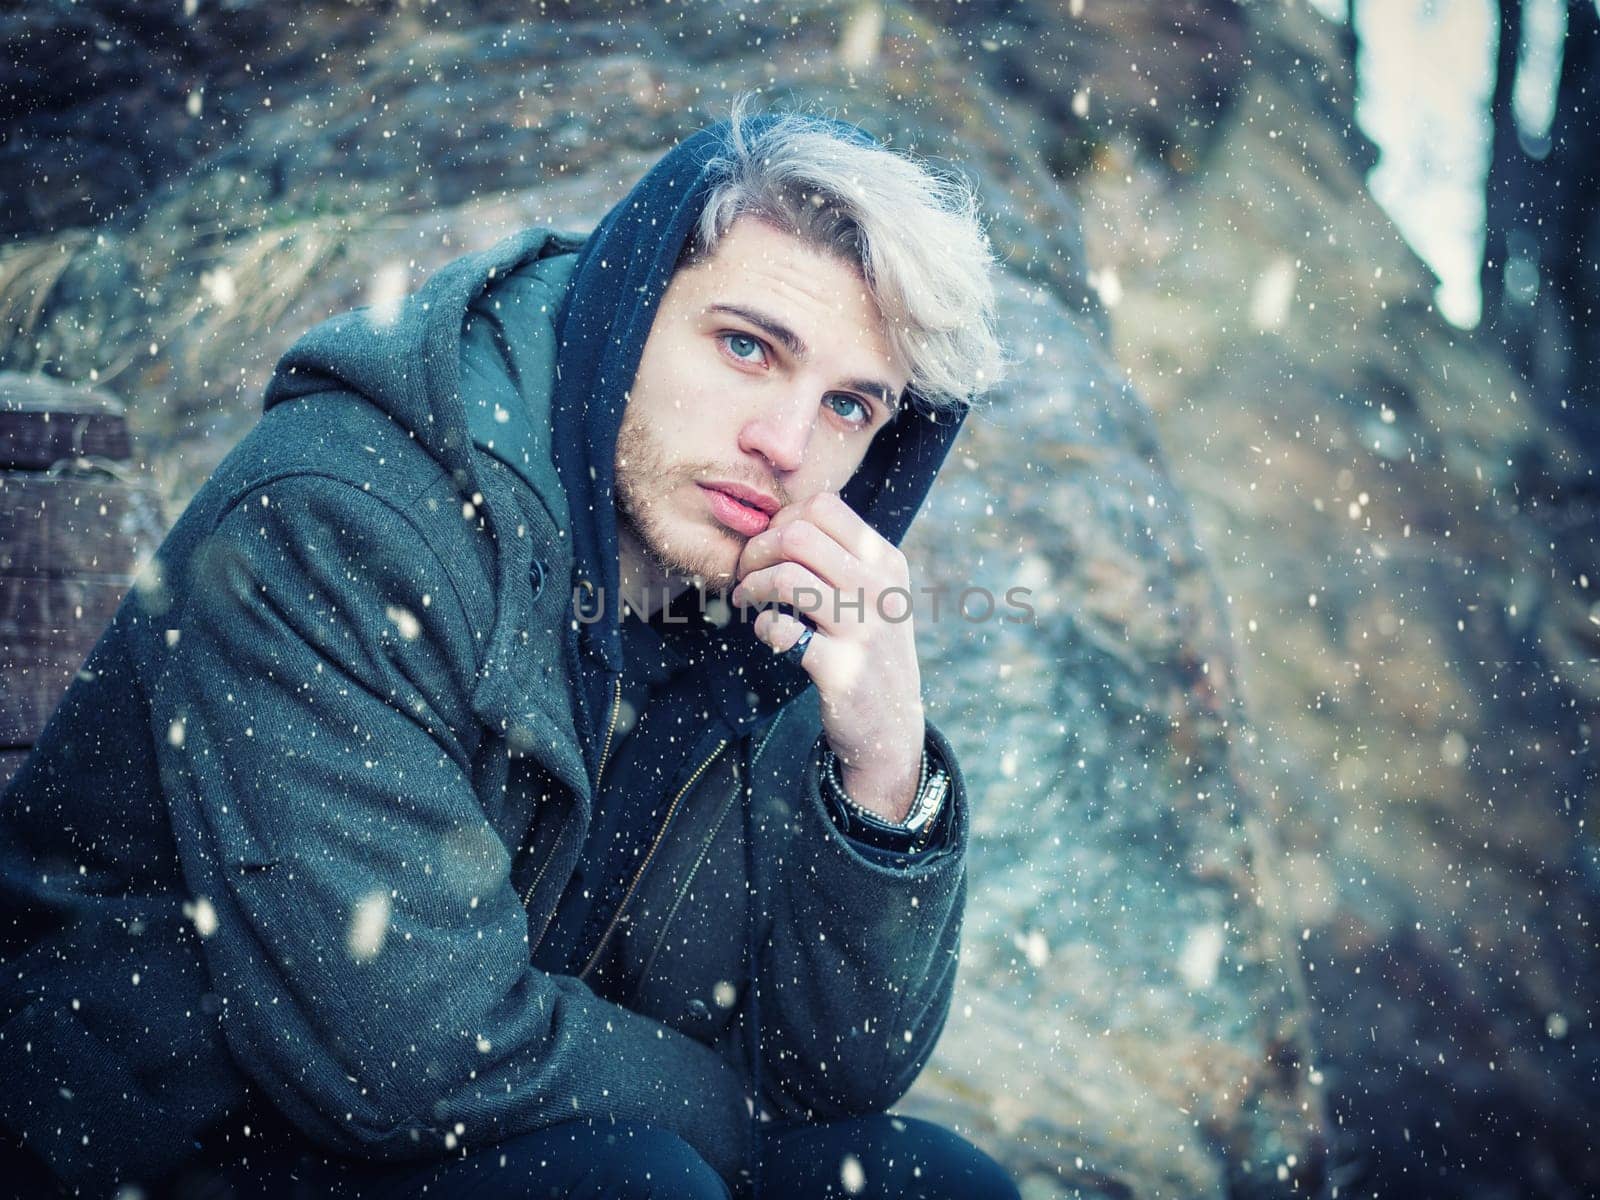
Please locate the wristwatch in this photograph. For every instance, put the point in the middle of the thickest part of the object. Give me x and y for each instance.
(909, 835)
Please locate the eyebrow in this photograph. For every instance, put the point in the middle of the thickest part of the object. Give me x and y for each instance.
(795, 345)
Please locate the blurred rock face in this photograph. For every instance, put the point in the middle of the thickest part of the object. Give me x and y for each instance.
(1285, 825)
(1417, 655)
(1128, 1019)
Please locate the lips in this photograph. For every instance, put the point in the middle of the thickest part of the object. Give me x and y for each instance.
(743, 510)
(745, 495)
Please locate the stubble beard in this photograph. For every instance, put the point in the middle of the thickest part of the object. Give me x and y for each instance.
(645, 479)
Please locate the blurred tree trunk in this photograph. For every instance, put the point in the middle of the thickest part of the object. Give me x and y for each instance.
(1541, 271)
(1510, 172)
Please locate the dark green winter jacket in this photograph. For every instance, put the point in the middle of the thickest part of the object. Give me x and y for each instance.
(299, 823)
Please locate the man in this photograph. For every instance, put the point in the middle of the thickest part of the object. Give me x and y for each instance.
(368, 856)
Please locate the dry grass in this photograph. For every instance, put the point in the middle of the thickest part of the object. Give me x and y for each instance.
(247, 285)
(29, 272)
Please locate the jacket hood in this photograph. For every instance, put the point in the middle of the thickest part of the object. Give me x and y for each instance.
(617, 284)
(406, 360)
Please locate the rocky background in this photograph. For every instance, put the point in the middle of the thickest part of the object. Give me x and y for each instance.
(1285, 879)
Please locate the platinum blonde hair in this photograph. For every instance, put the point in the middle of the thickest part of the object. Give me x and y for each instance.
(914, 234)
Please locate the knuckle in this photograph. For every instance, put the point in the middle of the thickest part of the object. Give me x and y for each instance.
(794, 536)
(887, 559)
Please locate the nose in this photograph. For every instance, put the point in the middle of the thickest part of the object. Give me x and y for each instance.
(781, 431)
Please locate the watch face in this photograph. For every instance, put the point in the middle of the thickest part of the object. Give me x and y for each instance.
(929, 799)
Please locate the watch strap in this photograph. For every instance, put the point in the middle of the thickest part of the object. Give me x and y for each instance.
(911, 834)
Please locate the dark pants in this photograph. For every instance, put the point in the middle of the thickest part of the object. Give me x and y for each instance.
(874, 1157)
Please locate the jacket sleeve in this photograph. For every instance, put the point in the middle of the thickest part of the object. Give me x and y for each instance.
(858, 956)
(358, 917)
(941, 835)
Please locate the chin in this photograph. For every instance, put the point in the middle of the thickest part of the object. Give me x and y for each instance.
(707, 555)
(714, 566)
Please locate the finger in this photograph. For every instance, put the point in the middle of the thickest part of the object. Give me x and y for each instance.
(780, 631)
(843, 524)
(802, 542)
(836, 667)
(788, 583)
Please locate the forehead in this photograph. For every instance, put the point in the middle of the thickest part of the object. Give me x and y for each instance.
(819, 296)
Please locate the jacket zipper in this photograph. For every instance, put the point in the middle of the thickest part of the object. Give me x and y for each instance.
(616, 918)
(755, 757)
(716, 828)
(605, 755)
(688, 882)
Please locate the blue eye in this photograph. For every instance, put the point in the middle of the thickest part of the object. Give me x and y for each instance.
(862, 414)
(742, 346)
